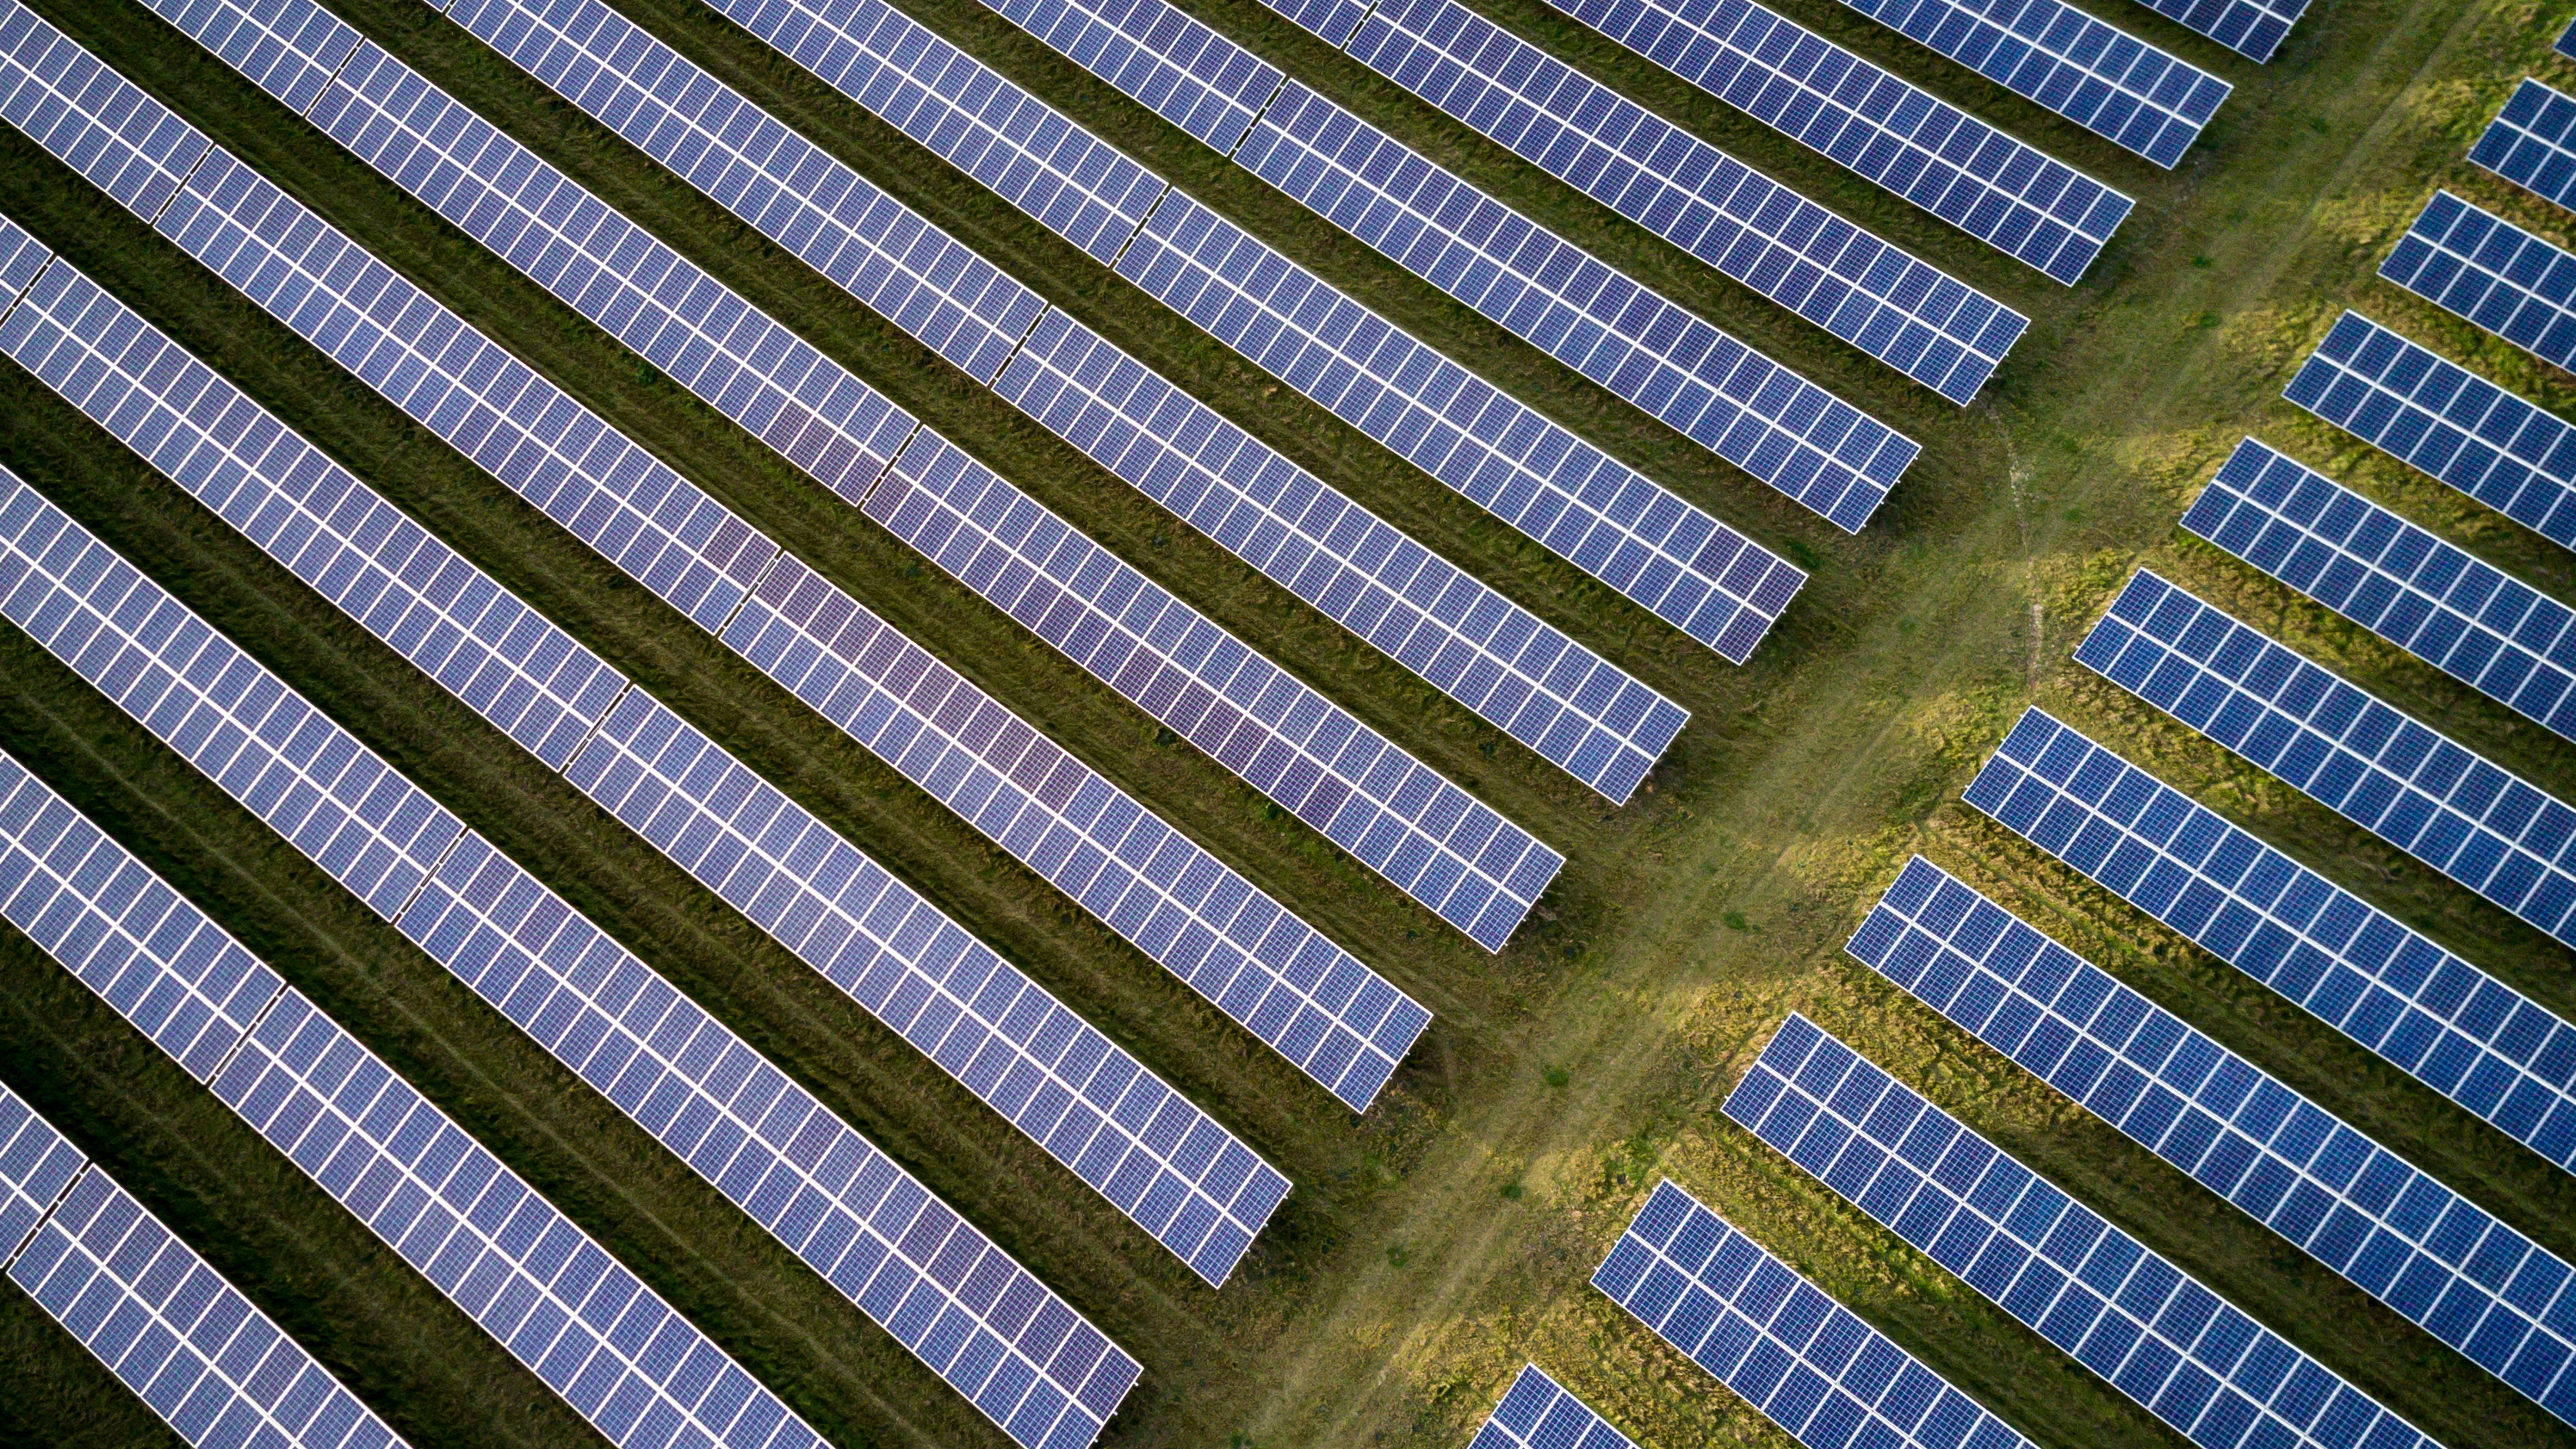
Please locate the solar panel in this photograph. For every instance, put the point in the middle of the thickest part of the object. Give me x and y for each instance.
(2251, 28)
(1723, 395)
(1653, 546)
(2567, 41)
(1432, 840)
(129, 145)
(1188, 74)
(2507, 453)
(2470, 261)
(2532, 142)
(2425, 1011)
(2094, 74)
(2511, 643)
(216, 1369)
(2020, 201)
(2397, 1234)
(2110, 1302)
(1538, 1413)
(2490, 831)
(1807, 1363)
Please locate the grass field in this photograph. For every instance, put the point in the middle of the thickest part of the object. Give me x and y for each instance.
(1434, 1245)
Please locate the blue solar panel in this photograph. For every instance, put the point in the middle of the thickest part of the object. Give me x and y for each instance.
(2251, 28)
(2532, 142)
(2508, 454)
(2430, 1014)
(1730, 399)
(1188, 74)
(2015, 199)
(2440, 1260)
(2110, 1302)
(2490, 831)
(214, 1367)
(129, 145)
(2467, 260)
(2094, 74)
(1935, 329)
(2508, 641)
(1538, 1413)
(1807, 1363)
(2567, 41)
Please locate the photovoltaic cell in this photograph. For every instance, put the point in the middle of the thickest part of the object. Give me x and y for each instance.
(1807, 1363)
(2490, 831)
(2397, 1234)
(1538, 1413)
(2094, 74)
(215, 1368)
(2425, 1011)
(2470, 261)
(2511, 643)
(2018, 200)
(2532, 142)
(2251, 28)
(2110, 1302)
(1732, 400)
(1926, 324)
(2508, 454)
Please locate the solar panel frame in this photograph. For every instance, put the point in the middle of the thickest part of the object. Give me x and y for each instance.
(2018, 200)
(2445, 421)
(1537, 1412)
(2252, 28)
(2474, 264)
(2478, 1042)
(2474, 622)
(1757, 1325)
(2108, 1301)
(1787, 432)
(2483, 827)
(2389, 1229)
(2532, 142)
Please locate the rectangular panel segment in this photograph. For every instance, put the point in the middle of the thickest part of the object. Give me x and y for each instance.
(2251, 28)
(2532, 142)
(2467, 260)
(1538, 1413)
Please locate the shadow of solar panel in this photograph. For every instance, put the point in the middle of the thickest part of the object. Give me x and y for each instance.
(2397, 1234)
(2471, 262)
(2422, 1009)
(1723, 395)
(2489, 830)
(216, 1369)
(2448, 422)
(2108, 1301)
(1538, 1413)
(1807, 1363)
(1876, 124)
(1184, 72)
(2094, 74)
(2490, 631)
(2251, 28)
(2532, 142)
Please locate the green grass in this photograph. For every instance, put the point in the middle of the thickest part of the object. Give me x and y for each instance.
(1436, 1244)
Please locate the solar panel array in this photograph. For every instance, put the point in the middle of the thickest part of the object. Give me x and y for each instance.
(2532, 142)
(1807, 1363)
(2251, 28)
(2093, 73)
(2425, 1011)
(2510, 642)
(2512, 456)
(1926, 324)
(213, 1366)
(1188, 74)
(1881, 127)
(1730, 399)
(2468, 260)
(1538, 1413)
(2396, 1233)
(2110, 1302)
(2487, 829)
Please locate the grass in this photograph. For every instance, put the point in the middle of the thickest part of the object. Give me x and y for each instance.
(1436, 1244)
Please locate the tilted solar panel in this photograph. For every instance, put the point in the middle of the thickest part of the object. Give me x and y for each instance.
(2251, 28)
(214, 1367)
(2532, 142)
(2425, 1011)
(2392, 1231)
(1807, 1363)
(1188, 74)
(2567, 41)
(2467, 260)
(1914, 317)
(1538, 1413)
(2108, 1301)
(2492, 832)
(2018, 200)
(2506, 453)
(130, 146)
(2089, 71)
(1784, 430)
(2510, 642)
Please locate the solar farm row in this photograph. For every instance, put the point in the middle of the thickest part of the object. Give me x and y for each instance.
(2252, 28)
(2469, 261)
(2532, 142)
